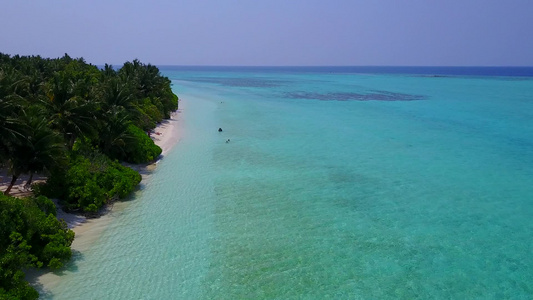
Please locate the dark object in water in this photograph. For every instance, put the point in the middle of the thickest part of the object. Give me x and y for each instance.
(227, 141)
(220, 130)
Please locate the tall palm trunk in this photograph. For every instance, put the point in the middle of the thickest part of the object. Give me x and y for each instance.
(28, 183)
(13, 180)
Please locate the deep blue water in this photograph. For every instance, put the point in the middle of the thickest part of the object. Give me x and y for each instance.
(430, 71)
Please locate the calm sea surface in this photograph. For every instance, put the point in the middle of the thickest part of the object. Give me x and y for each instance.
(344, 183)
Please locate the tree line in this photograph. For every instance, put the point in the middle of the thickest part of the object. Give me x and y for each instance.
(72, 122)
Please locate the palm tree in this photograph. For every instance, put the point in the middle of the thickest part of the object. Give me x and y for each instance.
(10, 102)
(70, 114)
(117, 110)
(40, 150)
(150, 85)
(109, 71)
(116, 93)
(113, 134)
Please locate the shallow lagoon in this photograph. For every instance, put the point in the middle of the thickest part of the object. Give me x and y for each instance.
(335, 185)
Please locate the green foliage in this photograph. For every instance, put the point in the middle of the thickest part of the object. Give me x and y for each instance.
(153, 112)
(143, 150)
(118, 181)
(67, 118)
(149, 83)
(29, 237)
(46, 205)
(78, 100)
(90, 182)
(69, 107)
(38, 149)
(82, 189)
(143, 120)
(114, 138)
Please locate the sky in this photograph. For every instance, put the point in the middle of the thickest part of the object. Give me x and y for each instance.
(273, 32)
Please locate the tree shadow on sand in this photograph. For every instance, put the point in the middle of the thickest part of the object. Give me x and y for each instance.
(34, 276)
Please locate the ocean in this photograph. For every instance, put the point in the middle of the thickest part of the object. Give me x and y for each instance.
(328, 183)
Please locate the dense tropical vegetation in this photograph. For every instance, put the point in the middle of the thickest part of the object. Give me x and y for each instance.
(72, 122)
(30, 236)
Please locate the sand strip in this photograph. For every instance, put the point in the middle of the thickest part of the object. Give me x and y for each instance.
(166, 134)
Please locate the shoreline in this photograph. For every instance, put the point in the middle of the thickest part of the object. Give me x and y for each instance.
(169, 135)
(166, 135)
(87, 230)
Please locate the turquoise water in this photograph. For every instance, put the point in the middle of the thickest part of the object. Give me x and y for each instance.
(345, 186)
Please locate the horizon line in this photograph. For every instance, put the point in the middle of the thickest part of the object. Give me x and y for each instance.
(347, 66)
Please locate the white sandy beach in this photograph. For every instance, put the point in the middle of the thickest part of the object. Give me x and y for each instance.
(167, 133)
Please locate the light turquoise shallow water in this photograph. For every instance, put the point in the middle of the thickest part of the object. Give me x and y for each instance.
(427, 197)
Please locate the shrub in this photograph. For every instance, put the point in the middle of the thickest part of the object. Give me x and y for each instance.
(29, 237)
(143, 120)
(45, 204)
(153, 111)
(143, 150)
(90, 182)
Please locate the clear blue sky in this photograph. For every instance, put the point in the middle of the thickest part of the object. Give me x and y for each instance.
(274, 32)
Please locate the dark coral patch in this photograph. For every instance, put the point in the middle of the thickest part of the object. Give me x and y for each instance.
(347, 96)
